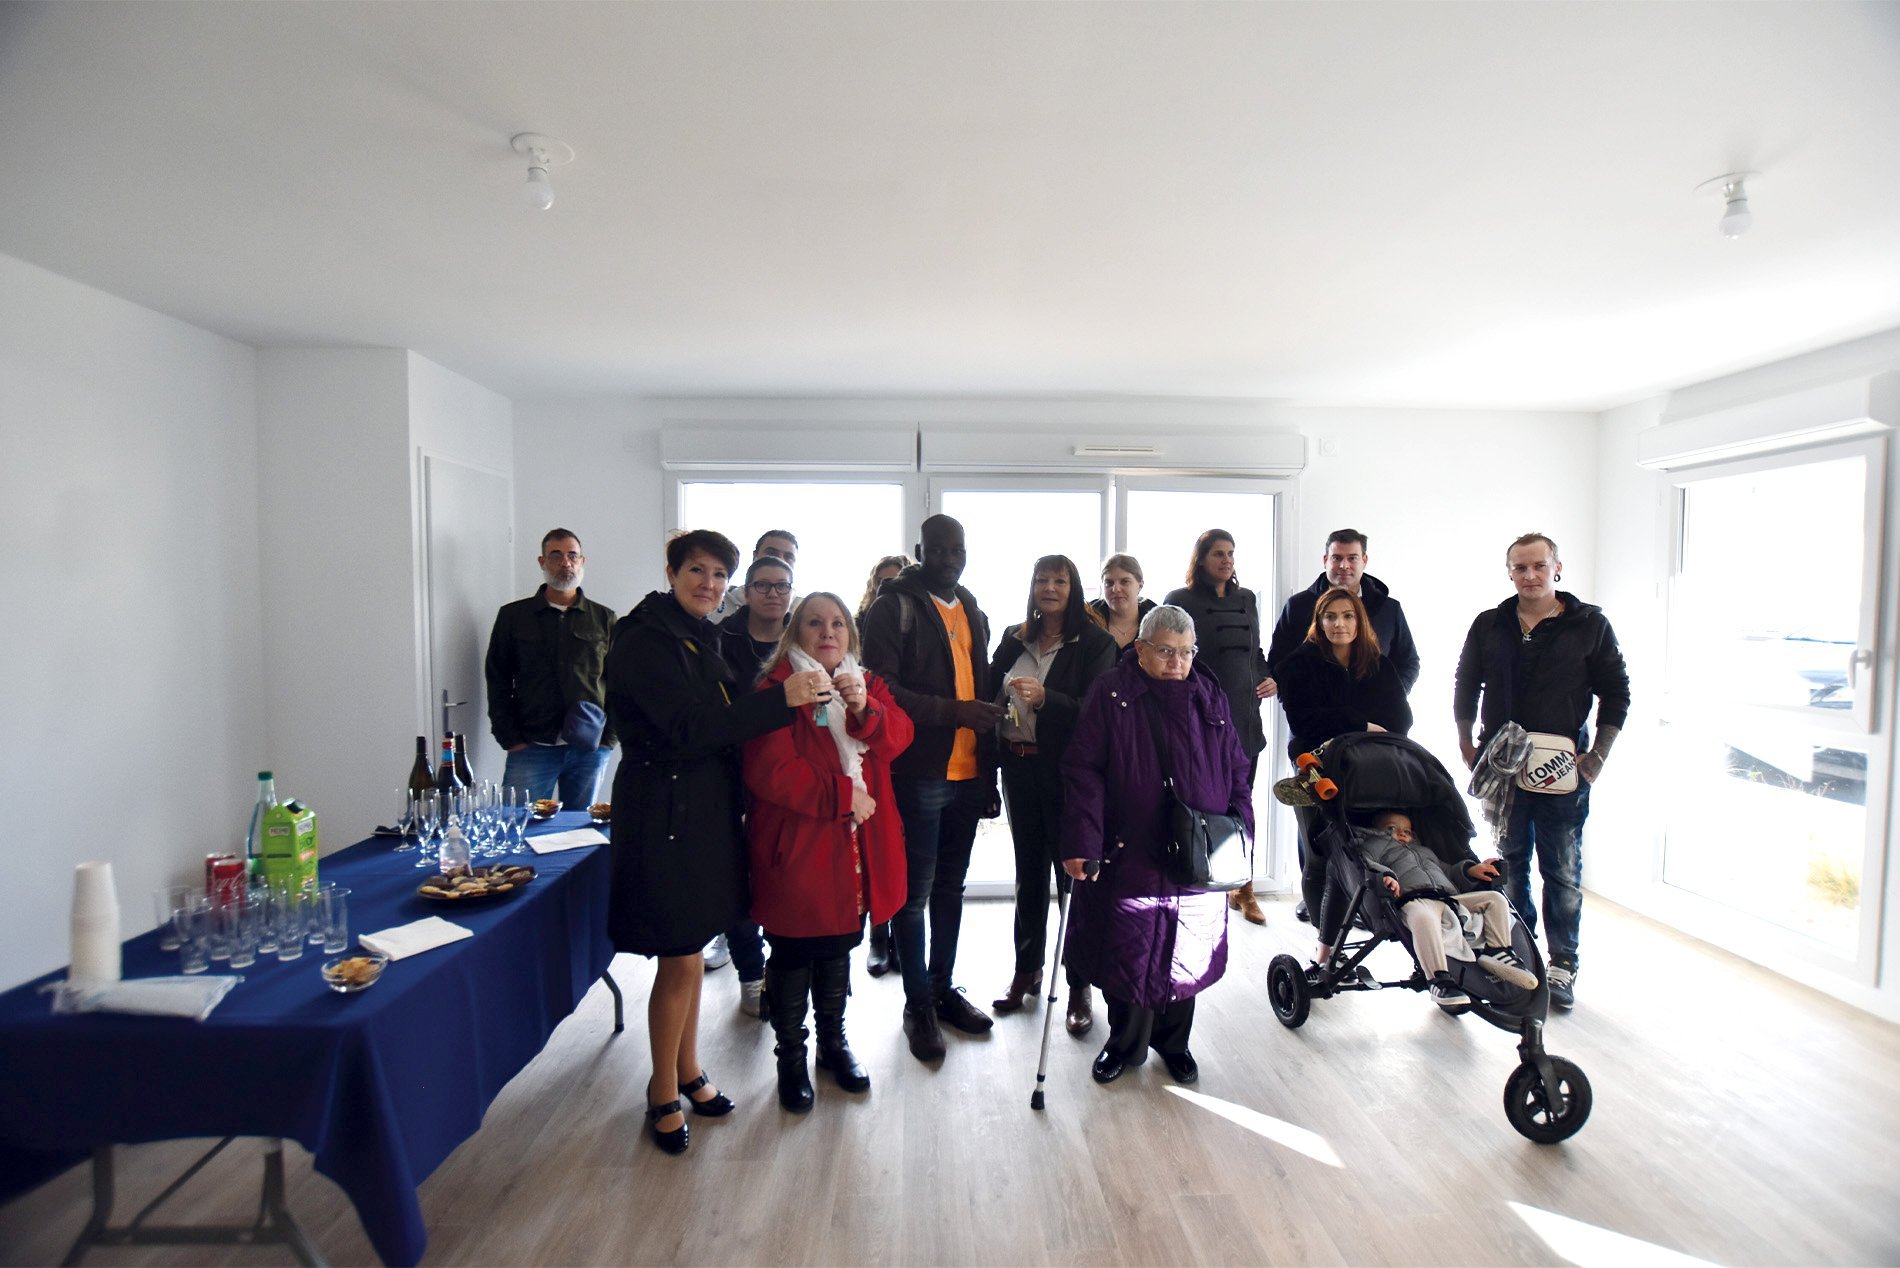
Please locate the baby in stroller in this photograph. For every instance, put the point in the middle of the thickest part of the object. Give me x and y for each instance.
(1425, 892)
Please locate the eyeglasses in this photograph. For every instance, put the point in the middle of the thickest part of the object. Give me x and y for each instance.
(1170, 654)
(771, 587)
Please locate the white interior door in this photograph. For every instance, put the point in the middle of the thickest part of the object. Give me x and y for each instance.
(468, 558)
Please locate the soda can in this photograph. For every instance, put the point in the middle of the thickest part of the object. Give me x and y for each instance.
(226, 878)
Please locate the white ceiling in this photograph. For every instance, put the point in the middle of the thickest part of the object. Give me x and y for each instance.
(1339, 203)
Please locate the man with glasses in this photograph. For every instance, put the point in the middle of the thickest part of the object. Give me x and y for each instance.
(773, 543)
(546, 698)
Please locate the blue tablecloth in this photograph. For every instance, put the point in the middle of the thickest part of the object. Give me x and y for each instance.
(379, 1086)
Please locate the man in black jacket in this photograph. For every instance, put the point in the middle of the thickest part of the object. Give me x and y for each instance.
(1348, 551)
(546, 698)
(1538, 659)
(928, 640)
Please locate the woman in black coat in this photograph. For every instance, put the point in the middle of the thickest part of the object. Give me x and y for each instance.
(1335, 682)
(1044, 666)
(679, 873)
(1227, 632)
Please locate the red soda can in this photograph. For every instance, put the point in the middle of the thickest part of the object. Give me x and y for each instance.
(226, 878)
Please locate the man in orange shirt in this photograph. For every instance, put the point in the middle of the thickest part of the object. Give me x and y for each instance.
(926, 637)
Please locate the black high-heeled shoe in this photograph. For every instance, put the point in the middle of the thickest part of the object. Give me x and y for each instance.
(673, 1142)
(718, 1105)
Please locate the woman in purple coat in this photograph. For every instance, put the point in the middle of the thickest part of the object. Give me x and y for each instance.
(1151, 945)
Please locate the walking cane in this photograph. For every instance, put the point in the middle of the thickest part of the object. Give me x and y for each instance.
(1090, 868)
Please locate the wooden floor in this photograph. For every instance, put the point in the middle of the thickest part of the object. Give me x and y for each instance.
(1739, 1119)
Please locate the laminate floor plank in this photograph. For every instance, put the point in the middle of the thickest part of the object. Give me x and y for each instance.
(1739, 1118)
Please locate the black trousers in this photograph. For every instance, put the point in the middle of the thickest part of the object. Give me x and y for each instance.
(1032, 786)
(1133, 1029)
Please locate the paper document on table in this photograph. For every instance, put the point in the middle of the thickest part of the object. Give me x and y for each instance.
(415, 937)
(572, 839)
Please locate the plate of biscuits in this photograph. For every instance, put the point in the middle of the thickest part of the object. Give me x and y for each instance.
(544, 808)
(601, 813)
(475, 885)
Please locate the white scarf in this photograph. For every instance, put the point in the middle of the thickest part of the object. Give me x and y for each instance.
(850, 748)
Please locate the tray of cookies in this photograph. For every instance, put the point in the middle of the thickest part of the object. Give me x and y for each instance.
(476, 885)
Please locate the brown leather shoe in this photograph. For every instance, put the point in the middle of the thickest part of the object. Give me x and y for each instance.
(1243, 901)
(1022, 988)
(1081, 1018)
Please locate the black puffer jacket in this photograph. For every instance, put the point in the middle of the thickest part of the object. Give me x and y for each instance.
(905, 644)
(1542, 681)
(1227, 628)
(680, 870)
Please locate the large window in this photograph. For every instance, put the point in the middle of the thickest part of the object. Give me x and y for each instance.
(842, 528)
(1768, 729)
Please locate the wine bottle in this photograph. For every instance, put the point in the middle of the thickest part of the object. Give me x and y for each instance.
(463, 771)
(421, 778)
(447, 781)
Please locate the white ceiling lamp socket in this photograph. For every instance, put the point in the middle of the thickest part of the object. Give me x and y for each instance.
(1736, 217)
(542, 153)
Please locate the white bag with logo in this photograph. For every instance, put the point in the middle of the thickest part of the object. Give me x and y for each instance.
(1552, 767)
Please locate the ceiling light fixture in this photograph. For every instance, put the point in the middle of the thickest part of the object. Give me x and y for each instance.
(1736, 217)
(542, 153)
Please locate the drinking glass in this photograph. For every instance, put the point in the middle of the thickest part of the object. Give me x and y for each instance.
(236, 928)
(406, 819)
(287, 909)
(192, 923)
(167, 900)
(333, 905)
(312, 914)
(430, 825)
(263, 926)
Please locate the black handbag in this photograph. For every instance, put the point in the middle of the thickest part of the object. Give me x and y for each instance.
(1202, 850)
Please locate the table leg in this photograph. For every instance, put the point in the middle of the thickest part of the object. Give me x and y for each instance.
(620, 1013)
(274, 1224)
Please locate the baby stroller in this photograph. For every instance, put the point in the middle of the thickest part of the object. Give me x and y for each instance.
(1352, 779)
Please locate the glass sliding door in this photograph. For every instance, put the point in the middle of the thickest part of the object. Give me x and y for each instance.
(843, 527)
(1769, 732)
(1008, 524)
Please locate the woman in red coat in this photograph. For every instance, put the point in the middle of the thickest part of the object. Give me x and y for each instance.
(827, 844)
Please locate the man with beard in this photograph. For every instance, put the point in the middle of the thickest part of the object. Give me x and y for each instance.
(1347, 553)
(545, 694)
(927, 639)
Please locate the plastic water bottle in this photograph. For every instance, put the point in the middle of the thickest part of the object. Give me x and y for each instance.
(453, 857)
(254, 837)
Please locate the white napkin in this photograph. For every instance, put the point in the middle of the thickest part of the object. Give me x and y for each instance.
(415, 937)
(572, 839)
(192, 997)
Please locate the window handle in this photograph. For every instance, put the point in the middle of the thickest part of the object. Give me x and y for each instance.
(1861, 656)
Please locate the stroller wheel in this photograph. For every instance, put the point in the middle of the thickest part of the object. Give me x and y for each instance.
(1532, 1108)
(1286, 988)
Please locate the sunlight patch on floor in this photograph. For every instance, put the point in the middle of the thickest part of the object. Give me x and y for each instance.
(1277, 1130)
(1588, 1246)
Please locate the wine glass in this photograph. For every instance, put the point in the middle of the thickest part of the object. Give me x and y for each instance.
(406, 821)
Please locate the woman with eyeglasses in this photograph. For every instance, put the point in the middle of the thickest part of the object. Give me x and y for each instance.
(1044, 666)
(750, 633)
(1334, 682)
(1152, 946)
(1227, 626)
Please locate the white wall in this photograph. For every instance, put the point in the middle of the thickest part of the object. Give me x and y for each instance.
(132, 703)
(340, 602)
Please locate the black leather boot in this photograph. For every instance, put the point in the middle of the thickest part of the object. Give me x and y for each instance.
(878, 960)
(830, 984)
(785, 993)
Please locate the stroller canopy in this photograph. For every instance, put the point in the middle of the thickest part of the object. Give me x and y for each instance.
(1377, 771)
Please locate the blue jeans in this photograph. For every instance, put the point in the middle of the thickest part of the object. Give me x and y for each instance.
(1551, 824)
(940, 818)
(540, 767)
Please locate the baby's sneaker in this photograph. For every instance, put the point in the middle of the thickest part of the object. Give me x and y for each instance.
(1503, 964)
(1445, 993)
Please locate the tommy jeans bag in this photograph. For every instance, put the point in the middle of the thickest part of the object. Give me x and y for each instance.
(1552, 767)
(1203, 850)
